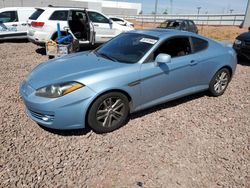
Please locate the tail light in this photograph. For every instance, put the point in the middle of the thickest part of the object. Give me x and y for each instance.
(37, 24)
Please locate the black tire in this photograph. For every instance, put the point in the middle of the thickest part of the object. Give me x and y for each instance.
(105, 115)
(219, 82)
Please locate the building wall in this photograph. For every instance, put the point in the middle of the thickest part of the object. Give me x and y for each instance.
(247, 17)
(107, 7)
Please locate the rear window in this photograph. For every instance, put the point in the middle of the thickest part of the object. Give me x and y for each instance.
(60, 15)
(36, 14)
(199, 44)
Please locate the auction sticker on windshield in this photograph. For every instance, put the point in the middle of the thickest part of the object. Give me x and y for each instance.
(148, 40)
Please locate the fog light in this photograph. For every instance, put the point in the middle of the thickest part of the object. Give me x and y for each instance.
(46, 118)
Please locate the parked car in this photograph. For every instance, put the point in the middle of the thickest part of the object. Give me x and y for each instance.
(134, 71)
(179, 24)
(242, 44)
(13, 22)
(89, 26)
(121, 21)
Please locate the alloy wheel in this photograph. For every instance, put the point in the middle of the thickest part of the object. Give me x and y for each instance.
(110, 111)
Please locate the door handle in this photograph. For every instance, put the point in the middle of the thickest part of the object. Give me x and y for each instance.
(14, 25)
(193, 62)
(23, 24)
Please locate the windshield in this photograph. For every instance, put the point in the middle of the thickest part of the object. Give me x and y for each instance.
(170, 24)
(127, 47)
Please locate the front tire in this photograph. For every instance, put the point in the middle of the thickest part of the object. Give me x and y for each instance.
(108, 112)
(219, 82)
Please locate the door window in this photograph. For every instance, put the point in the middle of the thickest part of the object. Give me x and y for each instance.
(175, 47)
(8, 16)
(184, 25)
(59, 15)
(97, 17)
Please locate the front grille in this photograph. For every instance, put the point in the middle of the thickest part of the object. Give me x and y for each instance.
(247, 43)
(43, 117)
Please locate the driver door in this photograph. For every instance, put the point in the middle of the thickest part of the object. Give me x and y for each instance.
(9, 25)
(167, 81)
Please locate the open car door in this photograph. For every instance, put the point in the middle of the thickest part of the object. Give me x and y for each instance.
(81, 27)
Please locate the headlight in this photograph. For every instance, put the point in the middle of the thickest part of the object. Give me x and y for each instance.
(58, 90)
(237, 42)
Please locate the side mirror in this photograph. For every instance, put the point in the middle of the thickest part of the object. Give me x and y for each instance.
(162, 58)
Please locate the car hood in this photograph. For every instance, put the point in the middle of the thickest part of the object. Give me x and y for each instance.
(244, 36)
(69, 68)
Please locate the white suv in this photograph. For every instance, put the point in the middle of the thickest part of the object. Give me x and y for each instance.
(89, 26)
(13, 22)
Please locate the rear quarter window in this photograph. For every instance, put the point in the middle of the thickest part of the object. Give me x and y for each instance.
(36, 14)
(59, 15)
(199, 44)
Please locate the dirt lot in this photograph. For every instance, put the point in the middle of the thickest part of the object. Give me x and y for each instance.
(222, 33)
(196, 141)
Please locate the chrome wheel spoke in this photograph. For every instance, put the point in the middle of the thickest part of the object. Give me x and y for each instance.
(216, 86)
(115, 117)
(118, 113)
(102, 116)
(116, 103)
(118, 107)
(223, 75)
(109, 121)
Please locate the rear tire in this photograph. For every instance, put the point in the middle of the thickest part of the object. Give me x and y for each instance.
(108, 112)
(219, 82)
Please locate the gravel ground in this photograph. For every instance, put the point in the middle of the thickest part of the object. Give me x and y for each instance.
(196, 141)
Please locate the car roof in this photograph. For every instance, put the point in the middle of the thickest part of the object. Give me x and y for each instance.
(162, 33)
(180, 20)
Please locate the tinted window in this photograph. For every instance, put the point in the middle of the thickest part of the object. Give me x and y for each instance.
(174, 47)
(128, 47)
(98, 18)
(170, 24)
(199, 44)
(184, 25)
(116, 19)
(36, 14)
(59, 15)
(8, 16)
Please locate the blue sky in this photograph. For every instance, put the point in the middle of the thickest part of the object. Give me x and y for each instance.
(190, 6)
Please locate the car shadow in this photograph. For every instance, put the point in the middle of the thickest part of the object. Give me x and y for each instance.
(85, 131)
(41, 51)
(72, 132)
(169, 104)
(14, 41)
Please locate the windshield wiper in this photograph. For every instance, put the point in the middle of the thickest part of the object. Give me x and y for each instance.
(106, 56)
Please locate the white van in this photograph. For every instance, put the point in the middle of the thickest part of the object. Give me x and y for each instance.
(13, 22)
(88, 26)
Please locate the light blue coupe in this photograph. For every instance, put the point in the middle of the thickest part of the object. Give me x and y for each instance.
(134, 71)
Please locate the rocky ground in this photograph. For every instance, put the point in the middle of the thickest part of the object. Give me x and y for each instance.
(196, 141)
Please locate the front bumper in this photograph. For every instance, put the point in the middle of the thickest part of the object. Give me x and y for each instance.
(66, 112)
